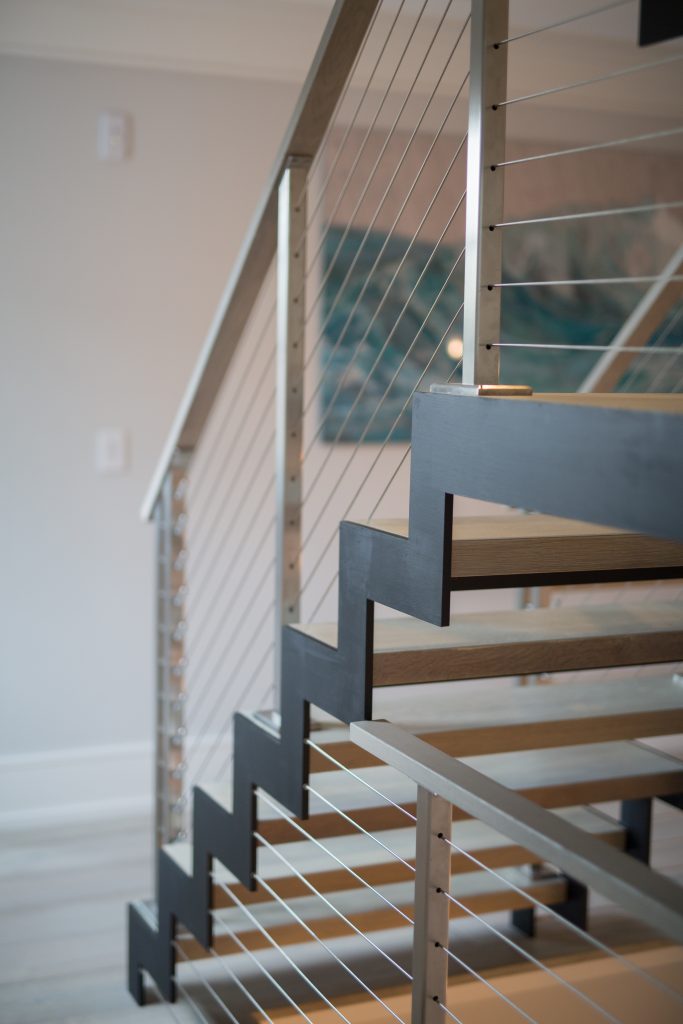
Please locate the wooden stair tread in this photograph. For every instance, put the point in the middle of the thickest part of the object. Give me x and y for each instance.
(521, 718)
(479, 891)
(520, 545)
(557, 777)
(490, 644)
(378, 867)
(633, 402)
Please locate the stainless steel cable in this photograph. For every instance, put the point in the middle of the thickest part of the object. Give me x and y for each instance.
(564, 21)
(658, 344)
(530, 957)
(276, 945)
(321, 846)
(586, 214)
(591, 81)
(300, 921)
(354, 823)
(201, 459)
(236, 939)
(225, 649)
(376, 460)
(388, 288)
(198, 641)
(234, 978)
(209, 546)
(368, 134)
(389, 234)
(411, 817)
(575, 929)
(647, 136)
(222, 696)
(209, 988)
(488, 984)
(649, 279)
(387, 390)
(449, 1013)
(546, 346)
(316, 892)
(195, 1006)
(330, 170)
(231, 756)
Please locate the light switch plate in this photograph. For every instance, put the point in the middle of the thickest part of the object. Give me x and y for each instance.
(111, 451)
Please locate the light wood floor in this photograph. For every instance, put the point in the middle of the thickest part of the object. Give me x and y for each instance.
(62, 932)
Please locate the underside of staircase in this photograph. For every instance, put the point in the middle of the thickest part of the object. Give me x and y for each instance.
(604, 478)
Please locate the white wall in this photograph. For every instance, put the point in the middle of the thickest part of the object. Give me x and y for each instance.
(109, 277)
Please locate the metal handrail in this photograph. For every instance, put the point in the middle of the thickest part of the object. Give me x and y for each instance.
(334, 59)
(609, 871)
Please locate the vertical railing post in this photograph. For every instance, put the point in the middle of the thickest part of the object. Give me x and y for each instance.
(430, 935)
(170, 517)
(485, 150)
(291, 276)
(485, 179)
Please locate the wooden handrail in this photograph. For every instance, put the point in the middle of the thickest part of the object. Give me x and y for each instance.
(340, 43)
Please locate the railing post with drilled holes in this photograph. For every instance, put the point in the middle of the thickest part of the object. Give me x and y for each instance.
(485, 179)
(291, 270)
(170, 669)
(430, 935)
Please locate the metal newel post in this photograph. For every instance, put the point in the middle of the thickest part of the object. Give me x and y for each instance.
(430, 935)
(171, 520)
(291, 270)
(485, 150)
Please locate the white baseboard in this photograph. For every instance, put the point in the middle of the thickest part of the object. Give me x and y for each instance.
(70, 786)
(85, 784)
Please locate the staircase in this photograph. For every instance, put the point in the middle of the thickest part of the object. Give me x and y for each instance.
(395, 778)
(562, 746)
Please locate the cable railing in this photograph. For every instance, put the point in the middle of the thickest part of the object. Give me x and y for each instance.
(386, 257)
(444, 783)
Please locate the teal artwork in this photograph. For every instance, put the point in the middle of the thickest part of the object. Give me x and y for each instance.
(392, 320)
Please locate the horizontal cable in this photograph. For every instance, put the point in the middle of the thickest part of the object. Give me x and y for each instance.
(564, 21)
(264, 970)
(353, 774)
(649, 279)
(591, 81)
(351, 821)
(530, 957)
(210, 989)
(579, 932)
(586, 214)
(651, 350)
(316, 892)
(300, 921)
(663, 134)
(486, 982)
(276, 945)
(321, 846)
